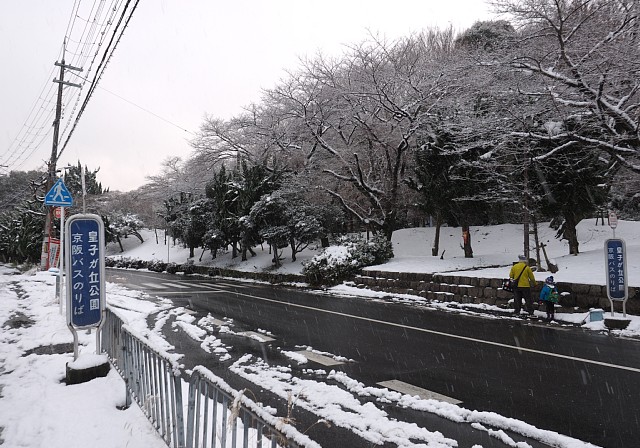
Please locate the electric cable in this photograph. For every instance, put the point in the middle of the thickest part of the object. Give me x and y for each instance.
(37, 128)
(102, 66)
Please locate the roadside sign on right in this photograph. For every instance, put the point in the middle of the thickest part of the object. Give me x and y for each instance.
(615, 255)
(613, 220)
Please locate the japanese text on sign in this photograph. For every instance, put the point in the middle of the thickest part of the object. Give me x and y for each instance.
(86, 293)
(616, 280)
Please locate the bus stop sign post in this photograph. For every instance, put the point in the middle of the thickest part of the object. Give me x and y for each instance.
(84, 238)
(59, 197)
(613, 221)
(615, 253)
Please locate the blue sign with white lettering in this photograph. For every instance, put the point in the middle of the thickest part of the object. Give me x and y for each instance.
(58, 195)
(85, 270)
(615, 251)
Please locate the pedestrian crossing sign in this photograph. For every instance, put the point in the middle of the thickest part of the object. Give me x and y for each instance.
(59, 195)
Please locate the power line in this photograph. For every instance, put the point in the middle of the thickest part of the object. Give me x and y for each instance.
(115, 39)
(102, 19)
(166, 120)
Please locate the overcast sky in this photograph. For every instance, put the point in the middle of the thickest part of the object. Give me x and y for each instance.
(182, 60)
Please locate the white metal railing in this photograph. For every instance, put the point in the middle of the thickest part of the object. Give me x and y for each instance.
(217, 415)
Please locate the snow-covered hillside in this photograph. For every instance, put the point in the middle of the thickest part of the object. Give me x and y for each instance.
(492, 246)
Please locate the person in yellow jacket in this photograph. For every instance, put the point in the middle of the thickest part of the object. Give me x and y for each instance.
(522, 289)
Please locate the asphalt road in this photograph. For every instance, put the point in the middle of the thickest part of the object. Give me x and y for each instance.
(578, 383)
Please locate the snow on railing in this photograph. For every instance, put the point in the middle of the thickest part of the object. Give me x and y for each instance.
(217, 415)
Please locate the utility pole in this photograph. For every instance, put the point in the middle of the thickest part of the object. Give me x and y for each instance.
(526, 218)
(51, 175)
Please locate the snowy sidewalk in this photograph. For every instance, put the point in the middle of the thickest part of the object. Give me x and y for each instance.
(36, 407)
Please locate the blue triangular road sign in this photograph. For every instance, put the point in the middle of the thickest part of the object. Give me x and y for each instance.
(59, 195)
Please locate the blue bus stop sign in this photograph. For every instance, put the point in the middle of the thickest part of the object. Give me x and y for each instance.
(84, 238)
(616, 264)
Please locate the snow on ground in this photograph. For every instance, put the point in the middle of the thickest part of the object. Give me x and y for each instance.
(37, 409)
(495, 248)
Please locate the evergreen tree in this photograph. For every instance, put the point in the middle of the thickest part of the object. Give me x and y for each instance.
(572, 184)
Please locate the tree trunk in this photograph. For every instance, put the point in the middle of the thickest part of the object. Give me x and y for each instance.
(570, 232)
(436, 239)
(191, 252)
(292, 243)
(324, 241)
(466, 239)
(119, 243)
(389, 226)
(276, 257)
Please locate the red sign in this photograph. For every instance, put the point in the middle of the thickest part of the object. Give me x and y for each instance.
(54, 252)
(57, 212)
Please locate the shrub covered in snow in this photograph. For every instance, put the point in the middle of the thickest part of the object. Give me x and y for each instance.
(125, 263)
(188, 268)
(157, 266)
(338, 263)
(377, 250)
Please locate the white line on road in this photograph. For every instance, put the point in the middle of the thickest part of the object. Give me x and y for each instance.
(175, 285)
(440, 333)
(154, 285)
(449, 335)
(191, 291)
(202, 285)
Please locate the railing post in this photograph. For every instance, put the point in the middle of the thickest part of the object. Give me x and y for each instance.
(191, 409)
(179, 410)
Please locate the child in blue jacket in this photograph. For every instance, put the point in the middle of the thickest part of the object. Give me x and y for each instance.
(549, 295)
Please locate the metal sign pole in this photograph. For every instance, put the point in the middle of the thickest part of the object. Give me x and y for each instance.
(61, 263)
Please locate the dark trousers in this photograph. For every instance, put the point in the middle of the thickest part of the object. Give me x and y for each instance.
(522, 293)
(550, 309)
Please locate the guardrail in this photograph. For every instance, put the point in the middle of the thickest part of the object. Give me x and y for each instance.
(152, 380)
(217, 415)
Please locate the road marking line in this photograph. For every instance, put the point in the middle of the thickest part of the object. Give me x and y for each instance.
(202, 285)
(257, 336)
(424, 330)
(440, 333)
(320, 359)
(191, 291)
(154, 285)
(231, 285)
(175, 285)
(410, 389)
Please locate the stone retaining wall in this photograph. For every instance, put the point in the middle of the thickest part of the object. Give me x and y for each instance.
(456, 288)
(271, 277)
(463, 289)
